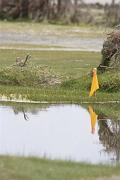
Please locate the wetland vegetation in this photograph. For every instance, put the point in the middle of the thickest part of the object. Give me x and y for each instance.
(68, 71)
(72, 72)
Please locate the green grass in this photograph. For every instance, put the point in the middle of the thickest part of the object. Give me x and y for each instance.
(12, 168)
(71, 63)
(66, 64)
(29, 76)
(50, 29)
(57, 95)
(27, 46)
(72, 67)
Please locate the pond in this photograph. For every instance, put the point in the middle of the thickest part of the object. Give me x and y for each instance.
(66, 132)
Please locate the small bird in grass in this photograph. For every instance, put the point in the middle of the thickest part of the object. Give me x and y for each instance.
(22, 62)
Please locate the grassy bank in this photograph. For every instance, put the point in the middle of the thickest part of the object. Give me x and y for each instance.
(65, 63)
(38, 169)
(57, 95)
(73, 68)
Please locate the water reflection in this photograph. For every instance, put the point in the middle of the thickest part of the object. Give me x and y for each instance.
(61, 132)
(25, 109)
(109, 136)
(93, 117)
(109, 132)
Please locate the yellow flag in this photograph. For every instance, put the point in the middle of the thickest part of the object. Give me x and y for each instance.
(93, 117)
(95, 84)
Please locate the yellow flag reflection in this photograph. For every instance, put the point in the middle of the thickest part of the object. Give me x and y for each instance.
(95, 84)
(93, 117)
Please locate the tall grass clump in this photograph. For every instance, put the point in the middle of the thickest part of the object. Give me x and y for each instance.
(110, 81)
(82, 83)
(29, 75)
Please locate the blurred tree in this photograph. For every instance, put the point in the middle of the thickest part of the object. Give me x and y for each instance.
(65, 10)
(112, 13)
(39, 9)
(113, 2)
(12, 9)
(24, 8)
(59, 6)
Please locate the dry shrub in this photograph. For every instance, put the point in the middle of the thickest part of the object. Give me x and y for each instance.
(28, 76)
(111, 52)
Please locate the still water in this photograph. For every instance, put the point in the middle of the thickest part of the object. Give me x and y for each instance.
(67, 132)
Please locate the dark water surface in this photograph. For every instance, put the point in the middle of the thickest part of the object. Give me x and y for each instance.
(67, 132)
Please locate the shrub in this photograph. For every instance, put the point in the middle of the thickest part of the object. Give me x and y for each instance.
(111, 52)
(28, 76)
(110, 81)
